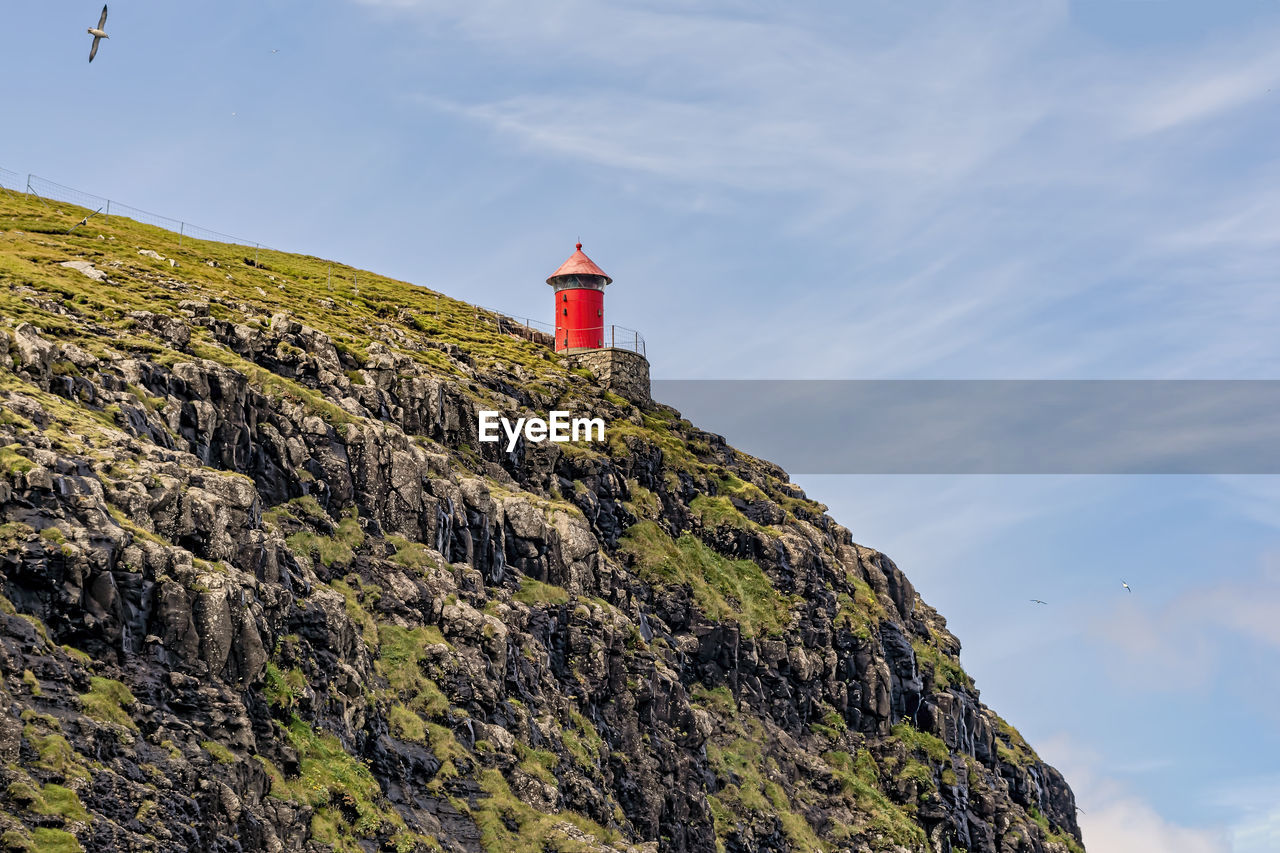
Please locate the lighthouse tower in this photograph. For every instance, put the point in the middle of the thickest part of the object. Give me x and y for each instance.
(616, 359)
(579, 285)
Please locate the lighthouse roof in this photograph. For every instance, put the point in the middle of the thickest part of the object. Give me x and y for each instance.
(579, 264)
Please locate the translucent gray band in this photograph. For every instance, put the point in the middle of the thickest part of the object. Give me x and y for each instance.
(992, 426)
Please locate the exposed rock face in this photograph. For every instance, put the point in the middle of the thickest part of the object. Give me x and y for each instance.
(263, 593)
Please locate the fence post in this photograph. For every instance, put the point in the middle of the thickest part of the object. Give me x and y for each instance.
(107, 215)
(31, 191)
(181, 227)
(255, 253)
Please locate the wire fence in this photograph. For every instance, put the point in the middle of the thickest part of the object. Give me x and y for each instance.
(46, 189)
(11, 182)
(14, 183)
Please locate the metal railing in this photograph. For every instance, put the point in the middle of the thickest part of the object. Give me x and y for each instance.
(609, 337)
(618, 337)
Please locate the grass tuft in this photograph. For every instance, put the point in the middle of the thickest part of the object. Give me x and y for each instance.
(724, 589)
(535, 593)
(106, 701)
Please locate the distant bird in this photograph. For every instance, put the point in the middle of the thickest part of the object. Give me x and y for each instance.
(273, 50)
(98, 34)
(1038, 601)
(1126, 586)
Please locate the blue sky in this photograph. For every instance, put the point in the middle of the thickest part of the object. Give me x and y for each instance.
(1004, 189)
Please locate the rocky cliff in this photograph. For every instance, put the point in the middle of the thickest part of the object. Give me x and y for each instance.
(264, 590)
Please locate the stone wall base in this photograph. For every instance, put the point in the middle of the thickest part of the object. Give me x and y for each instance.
(623, 372)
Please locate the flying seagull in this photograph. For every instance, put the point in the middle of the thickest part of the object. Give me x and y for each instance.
(98, 34)
(1126, 586)
(1038, 601)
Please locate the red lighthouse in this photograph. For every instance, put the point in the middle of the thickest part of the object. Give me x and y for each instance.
(579, 286)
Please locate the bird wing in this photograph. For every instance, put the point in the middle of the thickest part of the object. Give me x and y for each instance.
(93, 51)
(103, 19)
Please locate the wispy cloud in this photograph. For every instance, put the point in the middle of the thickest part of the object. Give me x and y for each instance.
(765, 102)
(927, 522)
(757, 98)
(1215, 85)
(1256, 801)
(1256, 498)
(1115, 819)
(1131, 825)
(1181, 643)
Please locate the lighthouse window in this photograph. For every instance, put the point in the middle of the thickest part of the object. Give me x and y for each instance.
(566, 312)
(599, 312)
(564, 298)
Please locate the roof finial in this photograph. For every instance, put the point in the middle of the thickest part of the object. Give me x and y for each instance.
(579, 246)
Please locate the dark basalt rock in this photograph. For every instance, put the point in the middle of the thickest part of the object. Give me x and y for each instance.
(259, 574)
